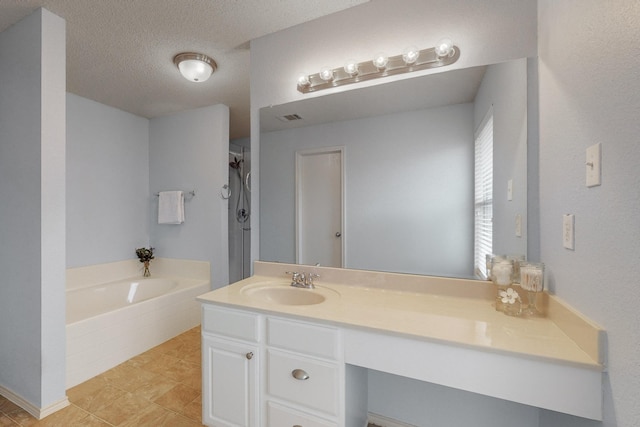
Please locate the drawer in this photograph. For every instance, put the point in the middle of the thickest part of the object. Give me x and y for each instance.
(319, 391)
(231, 323)
(281, 416)
(314, 340)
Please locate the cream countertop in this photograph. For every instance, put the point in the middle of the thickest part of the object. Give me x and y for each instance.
(464, 317)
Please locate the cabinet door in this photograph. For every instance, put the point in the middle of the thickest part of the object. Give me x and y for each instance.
(229, 383)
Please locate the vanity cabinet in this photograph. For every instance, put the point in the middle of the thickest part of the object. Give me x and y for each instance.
(424, 328)
(262, 370)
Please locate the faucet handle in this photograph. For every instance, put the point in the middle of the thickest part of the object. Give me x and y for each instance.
(309, 279)
(296, 277)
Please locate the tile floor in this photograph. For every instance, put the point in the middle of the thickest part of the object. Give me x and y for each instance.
(161, 387)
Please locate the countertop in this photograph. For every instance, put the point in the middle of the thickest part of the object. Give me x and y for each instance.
(449, 319)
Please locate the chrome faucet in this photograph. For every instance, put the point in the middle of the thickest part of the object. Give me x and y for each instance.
(302, 280)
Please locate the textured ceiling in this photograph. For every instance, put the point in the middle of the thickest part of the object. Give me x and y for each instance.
(119, 52)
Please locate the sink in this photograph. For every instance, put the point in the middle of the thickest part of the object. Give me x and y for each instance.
(284, 294)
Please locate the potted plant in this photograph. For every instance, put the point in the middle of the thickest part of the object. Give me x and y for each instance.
(145, 256)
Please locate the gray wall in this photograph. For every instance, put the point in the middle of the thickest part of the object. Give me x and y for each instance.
(409, 190)
(189, 151)
(32, 189)
(107, 183)
(590, 93)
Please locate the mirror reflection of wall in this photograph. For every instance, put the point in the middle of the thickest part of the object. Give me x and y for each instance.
(409, 173)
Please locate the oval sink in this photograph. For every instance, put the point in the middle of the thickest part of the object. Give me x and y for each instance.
(285, 294)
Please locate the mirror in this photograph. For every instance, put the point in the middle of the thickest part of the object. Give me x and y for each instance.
(409, 168)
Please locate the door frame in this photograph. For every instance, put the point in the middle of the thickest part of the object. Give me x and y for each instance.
(341, 150)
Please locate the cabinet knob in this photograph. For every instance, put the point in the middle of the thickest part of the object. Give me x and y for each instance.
(299, 374)
(249, 355)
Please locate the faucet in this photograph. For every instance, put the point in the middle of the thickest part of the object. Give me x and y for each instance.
(302, 280)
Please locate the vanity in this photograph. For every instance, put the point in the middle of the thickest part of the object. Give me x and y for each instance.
(276, 355)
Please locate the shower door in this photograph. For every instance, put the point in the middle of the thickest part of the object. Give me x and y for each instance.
(319, 207)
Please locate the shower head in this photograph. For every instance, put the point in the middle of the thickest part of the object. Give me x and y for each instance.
(235, 164)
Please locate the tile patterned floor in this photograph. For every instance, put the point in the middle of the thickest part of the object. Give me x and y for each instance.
(161, 387)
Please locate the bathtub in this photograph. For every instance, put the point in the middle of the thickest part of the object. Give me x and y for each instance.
(109, 323)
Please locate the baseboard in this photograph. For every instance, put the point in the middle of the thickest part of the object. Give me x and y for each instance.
(381, 421)
(35, 411)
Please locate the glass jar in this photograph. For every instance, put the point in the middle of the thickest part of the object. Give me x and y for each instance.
(532, 282)
(501, 275)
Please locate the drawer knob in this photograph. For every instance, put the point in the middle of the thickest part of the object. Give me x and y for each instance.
(299, 374)
(249, 355)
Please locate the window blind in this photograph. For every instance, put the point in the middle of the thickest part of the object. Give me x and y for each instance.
(483, 236)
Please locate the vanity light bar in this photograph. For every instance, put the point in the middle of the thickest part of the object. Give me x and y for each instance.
(367, 70)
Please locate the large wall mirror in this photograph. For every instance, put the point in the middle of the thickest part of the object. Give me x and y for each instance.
(408, 162)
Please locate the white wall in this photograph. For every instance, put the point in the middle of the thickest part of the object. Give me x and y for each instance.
(32, 188)
(504, 87)
(409, 190)
(590, 93)
(189, 151)
(432, 405)
(107, 183)
(487, 31)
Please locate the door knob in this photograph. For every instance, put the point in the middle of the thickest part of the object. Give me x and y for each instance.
(249, 355)
(338, 234)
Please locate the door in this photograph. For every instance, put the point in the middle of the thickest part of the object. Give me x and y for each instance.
(320, 207)
(230, 392)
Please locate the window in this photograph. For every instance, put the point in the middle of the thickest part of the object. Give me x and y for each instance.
(483, 204)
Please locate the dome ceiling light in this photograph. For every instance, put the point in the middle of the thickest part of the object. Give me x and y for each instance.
(195, 67)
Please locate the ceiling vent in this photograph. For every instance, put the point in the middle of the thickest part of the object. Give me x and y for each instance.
(289, 117)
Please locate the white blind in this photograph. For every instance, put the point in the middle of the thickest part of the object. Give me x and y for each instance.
(483, 238)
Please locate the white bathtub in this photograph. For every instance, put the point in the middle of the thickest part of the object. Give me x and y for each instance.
(111, 322)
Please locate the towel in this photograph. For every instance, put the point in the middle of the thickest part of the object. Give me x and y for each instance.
(170, 207)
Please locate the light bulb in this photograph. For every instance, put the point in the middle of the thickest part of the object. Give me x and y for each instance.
(380, 60)
(410, 55)
(303, 80)
(444, 47)
(351, 67)
(326, 74)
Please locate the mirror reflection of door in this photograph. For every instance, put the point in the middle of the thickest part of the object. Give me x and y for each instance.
(319, 207)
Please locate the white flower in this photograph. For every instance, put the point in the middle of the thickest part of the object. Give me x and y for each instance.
(509, 296)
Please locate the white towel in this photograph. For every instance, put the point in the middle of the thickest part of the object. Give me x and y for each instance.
(171, 207)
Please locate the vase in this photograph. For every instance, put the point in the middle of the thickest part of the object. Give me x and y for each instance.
(146, 273)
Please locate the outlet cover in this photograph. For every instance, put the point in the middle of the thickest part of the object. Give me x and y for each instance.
(568, 228)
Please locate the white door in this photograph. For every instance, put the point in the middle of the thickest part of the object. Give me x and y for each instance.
(319, 207)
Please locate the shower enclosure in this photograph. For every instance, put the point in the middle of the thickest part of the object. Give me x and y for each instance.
(239, 212)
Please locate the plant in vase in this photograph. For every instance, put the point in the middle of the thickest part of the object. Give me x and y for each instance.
(145, 256)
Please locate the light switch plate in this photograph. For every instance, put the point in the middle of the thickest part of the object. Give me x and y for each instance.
(593, 165)
(568, 228)
(510, 190)
(518, 225)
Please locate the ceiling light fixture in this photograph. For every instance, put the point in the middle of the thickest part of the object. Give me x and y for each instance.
(412, 59)
(195, 67)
